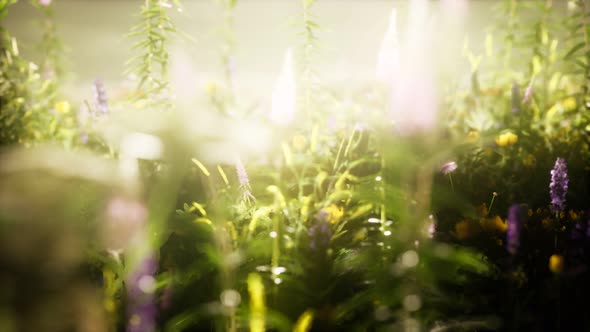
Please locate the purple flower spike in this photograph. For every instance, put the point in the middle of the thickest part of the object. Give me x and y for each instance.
(320, 233)
(559, 184)
(141, 305)
(244, 181)
(101, 98)
(516, 219)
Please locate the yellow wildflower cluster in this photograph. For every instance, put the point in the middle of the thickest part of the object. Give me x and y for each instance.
(468, 228)
(556, 263)
(62, 107)
(493, 224)
(567, 104)
(507, 139)
(334, 213)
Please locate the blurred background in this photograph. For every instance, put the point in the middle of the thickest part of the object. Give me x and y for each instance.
(93, 32)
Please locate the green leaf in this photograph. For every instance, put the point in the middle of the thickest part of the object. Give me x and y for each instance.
(573, 50)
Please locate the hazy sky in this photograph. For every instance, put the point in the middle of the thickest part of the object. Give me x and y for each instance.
(352, 30)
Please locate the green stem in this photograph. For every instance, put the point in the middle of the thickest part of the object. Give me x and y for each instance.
(451, 180)
(491, 203)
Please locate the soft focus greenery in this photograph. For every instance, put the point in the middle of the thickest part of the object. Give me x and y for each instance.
(151, 209)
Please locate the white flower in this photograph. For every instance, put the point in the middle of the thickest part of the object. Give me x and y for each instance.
(388, 58)
(448, 168)
(283, 96)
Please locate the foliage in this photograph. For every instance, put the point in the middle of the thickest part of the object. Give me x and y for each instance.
(343, 223)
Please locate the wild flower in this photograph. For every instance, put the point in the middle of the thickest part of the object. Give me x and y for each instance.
(331, 214)
(556, 263)
(141, 306)
(319, 235)
(516, 218)
(62, 107)
(284, 94)
(493, 224)
(100, 97)
(410, 73)
(506, 139)
(45, 2)
(559, 185)
(244, 180)
(448, 167)
(389, 54)
(528, 93)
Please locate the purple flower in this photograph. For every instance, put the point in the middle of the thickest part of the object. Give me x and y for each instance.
(516, 218)
(528, 93)
(84, 137)
(320, 233)
(244, 181)
(449, 167)
(100, 97)
(559, 184)
(141, 306)
(242, 175)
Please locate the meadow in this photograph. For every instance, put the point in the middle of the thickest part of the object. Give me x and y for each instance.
(311, 165)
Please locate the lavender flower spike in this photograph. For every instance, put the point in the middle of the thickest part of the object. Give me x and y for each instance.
(320, 233)
(141, 306)
(516, 218)
(244, 181)
(559, 184)
(101, 98)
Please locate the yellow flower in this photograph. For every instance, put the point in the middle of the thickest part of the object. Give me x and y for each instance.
(473, 136)
(556, 263)
(465, 229)
(299, 142)
(494, 224)
(506, 139)
(482, 210)
(62, 107)
(334, 213)
(569, 104)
